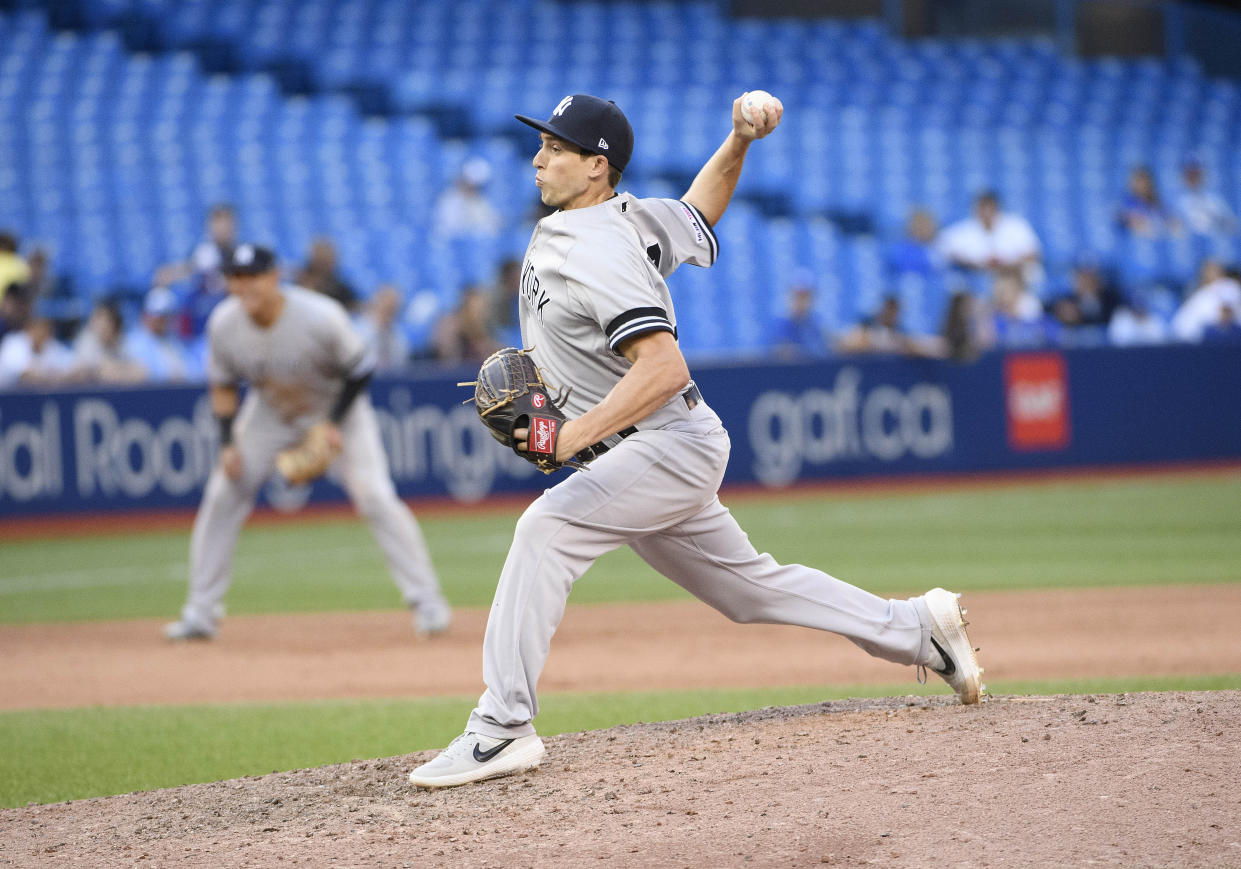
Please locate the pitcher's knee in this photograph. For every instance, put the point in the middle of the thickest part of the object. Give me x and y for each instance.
(538, 522)
(741, 612)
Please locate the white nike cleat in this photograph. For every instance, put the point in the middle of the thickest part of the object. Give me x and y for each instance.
(948, 636)
(473, 757)
(184, 629)
(432, 617)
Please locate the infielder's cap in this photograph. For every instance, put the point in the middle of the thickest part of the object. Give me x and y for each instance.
(596, 126)
(249, 259)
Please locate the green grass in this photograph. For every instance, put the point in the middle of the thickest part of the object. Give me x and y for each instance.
(1091, 532)
(72, 754)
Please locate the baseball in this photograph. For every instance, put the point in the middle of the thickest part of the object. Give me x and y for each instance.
(753, 103)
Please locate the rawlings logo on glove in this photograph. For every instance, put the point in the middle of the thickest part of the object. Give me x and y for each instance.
(510, 393)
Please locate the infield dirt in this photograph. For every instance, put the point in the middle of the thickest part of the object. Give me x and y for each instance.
(1130, 780)
(1069, 634)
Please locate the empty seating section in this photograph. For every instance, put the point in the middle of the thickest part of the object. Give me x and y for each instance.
(113, 155)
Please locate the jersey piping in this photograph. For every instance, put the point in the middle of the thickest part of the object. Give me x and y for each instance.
(706, 230)
(634, 322)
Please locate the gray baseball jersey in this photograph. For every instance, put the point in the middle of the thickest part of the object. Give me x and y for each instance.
(298, 364)
(296, 369)
(592, 278)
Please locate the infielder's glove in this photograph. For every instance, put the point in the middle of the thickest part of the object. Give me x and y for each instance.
(510, 393)
(310, 459)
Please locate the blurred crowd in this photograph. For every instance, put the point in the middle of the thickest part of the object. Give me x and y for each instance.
(1000, 295)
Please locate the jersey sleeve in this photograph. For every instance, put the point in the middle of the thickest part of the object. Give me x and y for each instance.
(675, 232)
(616, 287)
(350, 354)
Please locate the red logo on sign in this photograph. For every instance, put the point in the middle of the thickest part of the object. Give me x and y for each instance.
(538, 399)
(543, 435)
(1036, 391)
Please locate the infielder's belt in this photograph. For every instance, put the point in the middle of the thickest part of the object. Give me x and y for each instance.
(692, 397)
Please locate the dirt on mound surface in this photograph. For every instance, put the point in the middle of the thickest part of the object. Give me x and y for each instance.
(1132, 780)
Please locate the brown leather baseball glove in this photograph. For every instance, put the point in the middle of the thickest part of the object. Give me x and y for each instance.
(310, 459)
(510, 393)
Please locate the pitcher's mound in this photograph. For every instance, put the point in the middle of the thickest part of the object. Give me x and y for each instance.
(1130, 779)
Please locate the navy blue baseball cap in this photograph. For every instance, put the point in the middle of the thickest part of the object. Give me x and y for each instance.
(596, 126)
(249, 259)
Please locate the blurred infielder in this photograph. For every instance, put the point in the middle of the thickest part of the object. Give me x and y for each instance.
(598, 317)
(306, 408)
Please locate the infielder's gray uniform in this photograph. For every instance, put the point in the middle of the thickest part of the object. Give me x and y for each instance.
(295, 370)
(592, 278)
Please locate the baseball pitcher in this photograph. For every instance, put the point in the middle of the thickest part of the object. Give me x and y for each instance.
(597, 317)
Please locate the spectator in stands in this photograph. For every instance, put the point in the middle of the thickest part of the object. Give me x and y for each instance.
(156, 347)
(463, 334)
(1095, 298)
(1071, 330)
(13, 269)
(321, 274)
(800, 334)
(14, 308)
(917, 252)
(202, 269)
(380, 328)
(504, 303)
(1134, 324)
(1142, 211)
(33, 356)
(1017, 319)
(1225, 330)
(463, 211)
(1084, 312)
(884, 333)
(44, 282)
(55, 291)
(1203, 211)
(992, 239)
(99, 352)
(960, 335)
(1218, 289)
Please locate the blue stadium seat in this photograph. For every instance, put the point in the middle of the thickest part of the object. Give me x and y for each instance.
(116, 154)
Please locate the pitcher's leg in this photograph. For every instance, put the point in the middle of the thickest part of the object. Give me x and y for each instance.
(365, 475)
(549, 553)
(711, 557)
(623, 494)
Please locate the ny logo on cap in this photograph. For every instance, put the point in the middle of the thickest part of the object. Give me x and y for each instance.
(564, 104)
(244, 255)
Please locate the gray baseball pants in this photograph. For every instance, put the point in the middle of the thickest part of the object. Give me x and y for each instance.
(363, 471)
(656, 492)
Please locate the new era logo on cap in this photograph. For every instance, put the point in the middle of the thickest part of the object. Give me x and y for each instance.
(595, 125)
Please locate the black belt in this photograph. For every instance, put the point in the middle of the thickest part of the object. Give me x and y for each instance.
(692, 396)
